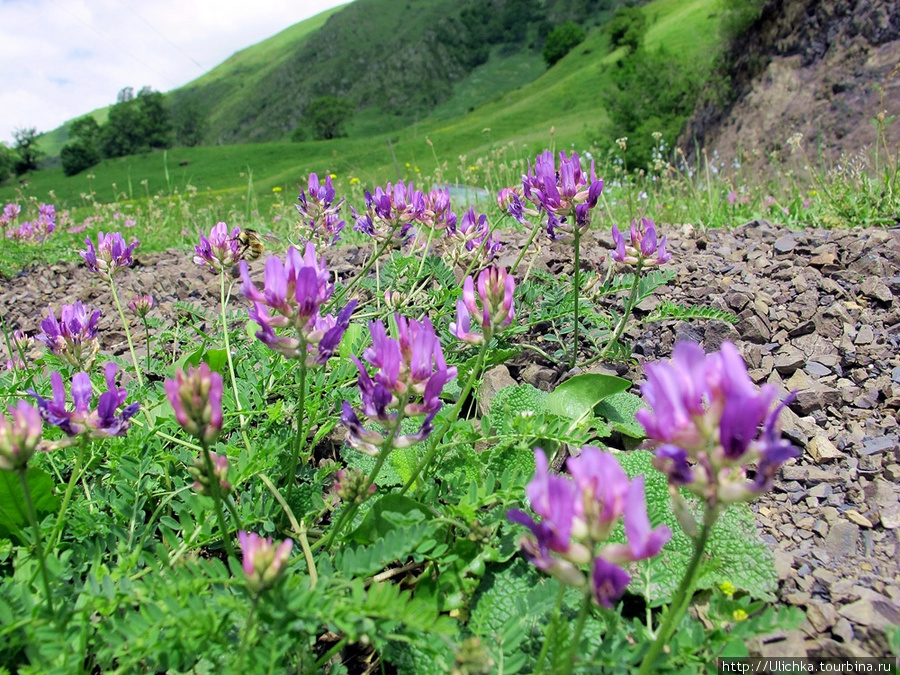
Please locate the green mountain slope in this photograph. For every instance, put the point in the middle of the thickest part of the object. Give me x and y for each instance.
(561, 108)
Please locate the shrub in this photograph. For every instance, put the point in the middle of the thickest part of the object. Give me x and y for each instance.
(561, 41)
(628, 27)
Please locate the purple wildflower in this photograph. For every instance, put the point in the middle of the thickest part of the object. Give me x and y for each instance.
(221, 250)
(294, 291)
(470, 238)
(566, 195)
(411, 371)
(196, 398)
(319, 214)
(19, 436)
(643, 248)
(263, 562)
(101, 422)
(710, 421)
(141, 305)
(111, 254)
(74, 337)
(578, 514)
(391, 213)
(495, 294)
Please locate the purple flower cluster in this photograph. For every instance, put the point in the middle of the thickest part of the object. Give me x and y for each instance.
(578, 513)
(21, 345)
(35, 231)
(221, 250)
(141, 305)
(644, 248)
(411, 373)
(495, 294)
(710, 421)
(471, 238)
(202, 483)
(319, 214)
(263, 562)
(391, 213)
(74, 337)
(566, 195)
(103, 421)
(111, 254)
(295, 291)
(19, 436)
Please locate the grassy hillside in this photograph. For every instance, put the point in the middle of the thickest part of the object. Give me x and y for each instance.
(565, 99)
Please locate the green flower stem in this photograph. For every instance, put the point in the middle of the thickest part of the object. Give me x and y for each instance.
(215, 489)
(327, 656)
(32, 517)
(525, 248)
(248, 629)
(629, 306)
(551, 636)
(147, 339)
(56, 534)
(301, 423)
(576, 283)
(342, 293)
(137, 368)
(579, 627)
(300, 529)
(232, 509)
(227, 344)
(350, 512)
(439, 435)
(681, 599)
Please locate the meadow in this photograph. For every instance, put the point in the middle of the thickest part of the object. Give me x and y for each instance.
(304, 470)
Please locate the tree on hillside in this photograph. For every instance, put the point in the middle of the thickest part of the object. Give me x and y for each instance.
(7, 162)
(628, 27)
(561, 41)
(190, 125)
(136, 124)
(327, 115)
(84, 150)
(27, 151)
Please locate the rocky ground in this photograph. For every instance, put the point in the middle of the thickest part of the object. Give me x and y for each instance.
(818, 315)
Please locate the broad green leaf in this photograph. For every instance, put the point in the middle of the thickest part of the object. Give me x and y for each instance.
(575, 398)
(619, 410)
(735, 552)
(216, 359)
(13, 516)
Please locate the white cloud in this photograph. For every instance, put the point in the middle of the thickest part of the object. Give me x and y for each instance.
(63, 58)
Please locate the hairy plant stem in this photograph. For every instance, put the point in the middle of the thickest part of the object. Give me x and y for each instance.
(579, 627)
(437, 437)
(350, 512)
(576, 283)
(227, 345)
(629, 306)
(32, 517)
(147, 340)
(342, 293)
(299, 529)
(682, 596)
(534, 231)
(56, 534)
(248, 628)
(539, 667)
(215, 489)
(301, 423)
(137, 368)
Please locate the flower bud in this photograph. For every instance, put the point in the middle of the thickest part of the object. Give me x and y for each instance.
(196, 398)
(202, 480)
(19, 436)
(263, 563)
(141, 305)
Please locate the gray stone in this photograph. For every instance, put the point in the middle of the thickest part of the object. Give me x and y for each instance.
(878, 444)
(494, 380)
(879, 612)
(842, 539)
(875, 288)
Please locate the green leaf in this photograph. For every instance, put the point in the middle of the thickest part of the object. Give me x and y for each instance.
(576, 397)
(216, 359)
(619, 410)
(734, 553)
(386, 514)
(13, 516)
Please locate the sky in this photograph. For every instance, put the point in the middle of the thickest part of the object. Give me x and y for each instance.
(60, 59)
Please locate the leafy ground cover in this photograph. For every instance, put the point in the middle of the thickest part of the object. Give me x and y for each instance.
(394, 476)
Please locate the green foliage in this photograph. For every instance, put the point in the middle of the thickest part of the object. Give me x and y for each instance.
(190, 125)
(136, 124)
(628, 28)
(13, 517)
(27, 152)
(735, 552)
(7, 162)
(652, 92)
(78, 156)
(327, 115)
(561, 41)
(578, 396)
